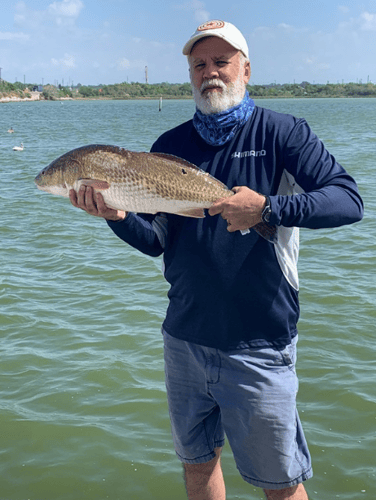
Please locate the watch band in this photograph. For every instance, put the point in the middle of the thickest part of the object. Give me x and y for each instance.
(267, 211)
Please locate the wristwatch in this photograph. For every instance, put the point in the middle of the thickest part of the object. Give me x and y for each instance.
(267, 211)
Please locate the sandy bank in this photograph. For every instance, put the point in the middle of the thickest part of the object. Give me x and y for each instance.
(35, 96)
(15, 98)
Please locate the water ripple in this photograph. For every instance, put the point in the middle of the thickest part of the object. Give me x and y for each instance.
(82, 398)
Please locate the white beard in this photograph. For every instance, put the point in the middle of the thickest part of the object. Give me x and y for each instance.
(215, 102)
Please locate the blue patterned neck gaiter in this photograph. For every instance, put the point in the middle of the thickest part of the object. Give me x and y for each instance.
(219, 128)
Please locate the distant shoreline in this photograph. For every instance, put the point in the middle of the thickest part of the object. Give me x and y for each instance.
(143, 91)
(35, 97)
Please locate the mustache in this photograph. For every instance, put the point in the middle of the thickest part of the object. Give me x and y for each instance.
(214, 82)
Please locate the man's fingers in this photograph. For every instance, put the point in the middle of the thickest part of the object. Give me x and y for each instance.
(101, 206)
(215, 210)
(217, 207)
(73, 197)
(89, 198)
(80, 197)
(93, 203)
(83, 199)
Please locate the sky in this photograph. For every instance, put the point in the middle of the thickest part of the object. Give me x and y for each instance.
(95, 42)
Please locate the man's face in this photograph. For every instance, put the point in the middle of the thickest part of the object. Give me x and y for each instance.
(219, 74)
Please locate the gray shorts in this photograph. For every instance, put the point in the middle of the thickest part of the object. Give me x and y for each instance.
(249, 395)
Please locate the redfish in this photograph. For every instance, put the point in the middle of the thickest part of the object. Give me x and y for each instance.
(136, 181)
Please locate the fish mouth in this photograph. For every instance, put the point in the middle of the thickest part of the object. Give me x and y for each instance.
(38, 180)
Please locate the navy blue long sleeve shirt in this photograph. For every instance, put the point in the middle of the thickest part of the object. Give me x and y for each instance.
(229, 290)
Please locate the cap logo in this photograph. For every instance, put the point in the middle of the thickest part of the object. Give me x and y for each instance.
(211, 25)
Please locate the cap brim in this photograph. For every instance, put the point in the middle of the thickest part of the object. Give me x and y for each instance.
(189, 45)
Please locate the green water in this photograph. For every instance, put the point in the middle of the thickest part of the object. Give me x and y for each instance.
(83, 412)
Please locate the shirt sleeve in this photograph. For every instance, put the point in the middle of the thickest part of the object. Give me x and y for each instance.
(328, 195)
(146, 233)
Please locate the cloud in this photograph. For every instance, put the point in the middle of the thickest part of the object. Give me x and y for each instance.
(66, 8)
(28, 18)
(315, 63)
(62, 13)
(19, 37)
(314, 55)
(201, 15)
(286, 26)
(124, 63)
(68, 61)
(53, 42)
(368, 21)
(66, 11)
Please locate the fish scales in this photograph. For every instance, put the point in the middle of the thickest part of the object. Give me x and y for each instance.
(138, 181)
(150, 183)
(134, 181)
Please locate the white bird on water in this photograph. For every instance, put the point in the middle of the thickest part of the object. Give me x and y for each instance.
(18, 148)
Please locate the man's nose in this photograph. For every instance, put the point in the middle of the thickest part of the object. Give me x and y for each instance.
(211, 71)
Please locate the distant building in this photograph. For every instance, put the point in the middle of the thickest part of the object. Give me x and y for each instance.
(38, 88)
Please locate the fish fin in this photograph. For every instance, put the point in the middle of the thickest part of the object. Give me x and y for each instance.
(197, 213)
(95, 184)
(176, 159)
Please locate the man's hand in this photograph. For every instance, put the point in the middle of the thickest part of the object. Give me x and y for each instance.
(92, 202)
(242, 211)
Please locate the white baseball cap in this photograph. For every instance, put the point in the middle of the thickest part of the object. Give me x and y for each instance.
(221, 29)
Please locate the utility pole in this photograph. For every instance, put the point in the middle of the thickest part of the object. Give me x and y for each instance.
(146, 74)
(0, 74)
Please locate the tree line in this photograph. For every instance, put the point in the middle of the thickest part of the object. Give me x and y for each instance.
(137, 90)
(183, 91)
(306, 89)
(168, 90)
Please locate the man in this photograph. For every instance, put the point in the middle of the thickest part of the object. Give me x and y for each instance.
(230, 331)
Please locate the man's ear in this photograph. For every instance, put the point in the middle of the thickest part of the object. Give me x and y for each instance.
(247, 72)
